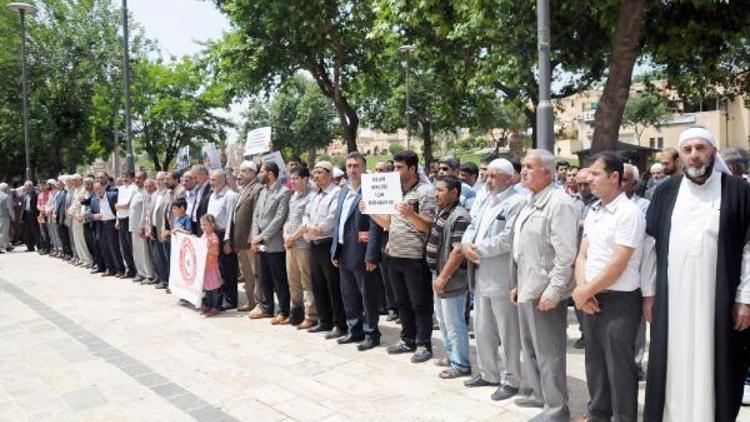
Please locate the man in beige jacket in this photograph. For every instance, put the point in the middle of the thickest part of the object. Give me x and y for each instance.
(544, 252)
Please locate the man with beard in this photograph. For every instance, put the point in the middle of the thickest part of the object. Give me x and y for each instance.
(701, 308)
(141, 256)
(242, 223)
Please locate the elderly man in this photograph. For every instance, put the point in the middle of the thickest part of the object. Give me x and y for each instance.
(77, 216)
(125, 193)
(145, 230)
(221, 205)
(701, 309)
(59, 215)
(157, 225)
(486, 244)
(49, 212)
(141, 254)
(267, 240)
(29, 215)
(45, 239)
(630, 184)
(318, 223)
(608, 292)
(303, 312)
(242, 223)
(544, 251)
(103, 210)
(7, 216)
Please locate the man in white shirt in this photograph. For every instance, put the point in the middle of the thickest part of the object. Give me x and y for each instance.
(221, 205)
(608, 292)
(122, 210)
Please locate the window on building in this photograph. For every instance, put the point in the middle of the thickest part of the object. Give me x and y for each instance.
(697, 106)
(652, 142)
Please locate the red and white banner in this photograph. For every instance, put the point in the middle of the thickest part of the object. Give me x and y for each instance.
(187, 267)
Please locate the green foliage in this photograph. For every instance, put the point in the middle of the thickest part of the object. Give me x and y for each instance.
(394, 148)
(174, 105)
(644, 109)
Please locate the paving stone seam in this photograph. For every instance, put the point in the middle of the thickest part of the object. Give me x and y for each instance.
(197, 408)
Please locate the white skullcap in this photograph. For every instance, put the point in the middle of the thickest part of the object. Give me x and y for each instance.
(52, 181)
(337, 173)
(696, 132)
(703, 133)
(634, 169)
(656, 167)
(249, 165)
(502, 165)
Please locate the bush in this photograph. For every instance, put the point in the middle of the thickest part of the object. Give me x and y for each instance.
(396, 148)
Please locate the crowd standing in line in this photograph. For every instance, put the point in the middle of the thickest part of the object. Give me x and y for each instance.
(501, 249)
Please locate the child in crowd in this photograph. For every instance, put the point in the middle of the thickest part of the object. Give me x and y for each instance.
(212, 279)
(183, 223)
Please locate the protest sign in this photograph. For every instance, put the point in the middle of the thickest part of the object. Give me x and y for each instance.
(187, 266)
(279, 160)
(211, 156)
(183, 158)
(258, 141)
(381, 192)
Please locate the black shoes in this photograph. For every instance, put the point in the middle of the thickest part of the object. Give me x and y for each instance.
(347, 339)
(504, 392)
(478, 381)
(335, 333)
(400, 348)
(580, 344)
(423, 354)
(320, 328)
(369, 343)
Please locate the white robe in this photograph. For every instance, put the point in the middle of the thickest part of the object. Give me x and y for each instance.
(693, 249)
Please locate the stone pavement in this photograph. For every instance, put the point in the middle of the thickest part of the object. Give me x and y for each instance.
(77, 347)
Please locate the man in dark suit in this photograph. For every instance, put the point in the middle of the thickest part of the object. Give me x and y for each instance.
(356, 252)
(203, 193)
(109, 240)
(29, 215)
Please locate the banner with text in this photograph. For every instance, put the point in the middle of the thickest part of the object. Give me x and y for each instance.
(258, 141)
(381, 192)
(187, 266)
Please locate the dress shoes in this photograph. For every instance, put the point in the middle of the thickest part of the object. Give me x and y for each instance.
(160, 286)
(258, 314)
(400, 348)
(306, 324)
(335, 333)
(109, 274)
(280, 320)
(528, 402)
(369, 343)
(96, 271)
(244, 308)
(504, 392)
(478, 381)
(347, 339)
(319, 328)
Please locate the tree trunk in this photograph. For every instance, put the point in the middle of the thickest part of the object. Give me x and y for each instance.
(625, 49)
(349, 122)
(531, 120)
(427, 143)
(312, 155)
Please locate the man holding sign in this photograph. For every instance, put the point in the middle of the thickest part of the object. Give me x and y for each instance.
(408, 274)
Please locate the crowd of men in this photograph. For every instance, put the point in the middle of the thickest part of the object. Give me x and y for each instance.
(513, 244)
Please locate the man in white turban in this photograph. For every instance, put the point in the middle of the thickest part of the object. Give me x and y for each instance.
(700, 310)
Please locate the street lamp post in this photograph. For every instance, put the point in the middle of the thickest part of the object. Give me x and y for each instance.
(544, 113)
(407, 49)
(23, 9)
(126, 76)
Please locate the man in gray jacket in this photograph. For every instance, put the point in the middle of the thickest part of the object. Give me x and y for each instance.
(544, 252)
(486, 245)
(7, 216)
(267, 239)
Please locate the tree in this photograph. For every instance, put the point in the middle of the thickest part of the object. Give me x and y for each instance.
(497, 113)
(273, 40)
(644, 109)
(174, 105)
(302, 119)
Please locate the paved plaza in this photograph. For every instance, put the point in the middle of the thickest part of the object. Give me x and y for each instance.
(77, 347)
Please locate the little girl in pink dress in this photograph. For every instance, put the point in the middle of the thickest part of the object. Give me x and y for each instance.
(212, 279)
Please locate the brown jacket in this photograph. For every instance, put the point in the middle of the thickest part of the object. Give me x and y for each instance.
(243, 215)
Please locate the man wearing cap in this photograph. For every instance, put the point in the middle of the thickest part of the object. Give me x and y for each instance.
(318, 222)
(242, 223)
(700, 311)
(486, 244)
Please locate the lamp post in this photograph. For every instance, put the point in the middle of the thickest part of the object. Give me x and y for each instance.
(126, 76)
(544, 113)
(407, 49)
(23, 9)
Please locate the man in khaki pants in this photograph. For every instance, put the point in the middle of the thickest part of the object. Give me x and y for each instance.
(240, 233)
(303, 313)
